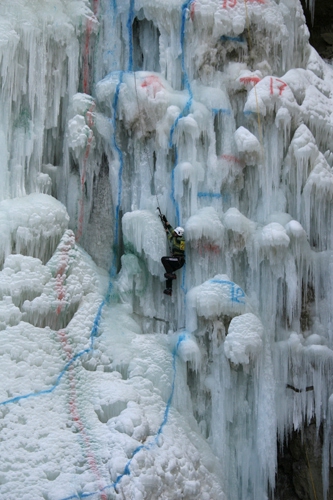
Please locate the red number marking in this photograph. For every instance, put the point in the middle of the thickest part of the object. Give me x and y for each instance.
(250, 79)
(281, 85)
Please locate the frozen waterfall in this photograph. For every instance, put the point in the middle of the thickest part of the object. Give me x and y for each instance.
(219, 113)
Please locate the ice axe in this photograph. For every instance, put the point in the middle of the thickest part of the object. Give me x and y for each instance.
(162, 217)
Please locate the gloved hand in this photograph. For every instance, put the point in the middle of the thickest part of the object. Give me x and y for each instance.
(164, 219)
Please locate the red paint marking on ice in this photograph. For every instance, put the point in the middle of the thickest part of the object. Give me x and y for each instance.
(192, 10)
(233, 3)
(82, 181)
(75, 414)
(90, 123)
(152, 83)
(90, 116)
(231, 158)
(204, 248)
(280, 85)
(250, 79)
(61, 273)
(86, 57)
(89, 28)
(95, 7)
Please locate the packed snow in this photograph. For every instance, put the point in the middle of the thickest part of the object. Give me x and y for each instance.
(218, 113)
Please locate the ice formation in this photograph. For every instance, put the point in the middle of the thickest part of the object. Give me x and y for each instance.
(219, 113)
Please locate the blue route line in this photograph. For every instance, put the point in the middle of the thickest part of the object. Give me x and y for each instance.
(114, 7)
(201, 194)
(224, 196)
(148, 446)
(187, 106)
(129, 26)
(93, 334)
(226, 38)
(174, 201)
(51, 389)
(222, 111)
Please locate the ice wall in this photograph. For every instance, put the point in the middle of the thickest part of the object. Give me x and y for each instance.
(220, 113)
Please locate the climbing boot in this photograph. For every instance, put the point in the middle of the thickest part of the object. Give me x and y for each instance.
(168, 291)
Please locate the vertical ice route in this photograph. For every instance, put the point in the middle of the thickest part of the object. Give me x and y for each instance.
(86, 90)
(113, 270)
(83, 174)
(97, 320)
(187, 106)
(185, 80)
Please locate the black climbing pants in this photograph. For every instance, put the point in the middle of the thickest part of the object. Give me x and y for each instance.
(171, 264)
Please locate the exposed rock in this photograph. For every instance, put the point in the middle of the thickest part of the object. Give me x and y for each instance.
(321, 27)
(299, 475)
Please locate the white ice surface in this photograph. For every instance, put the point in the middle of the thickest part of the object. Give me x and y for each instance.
(244, 340)
(220, 113)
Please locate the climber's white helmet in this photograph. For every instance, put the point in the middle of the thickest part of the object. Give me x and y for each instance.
(179, 231)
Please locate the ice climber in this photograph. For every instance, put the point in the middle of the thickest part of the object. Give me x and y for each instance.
(177, 258)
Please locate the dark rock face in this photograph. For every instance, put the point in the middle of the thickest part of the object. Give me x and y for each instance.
(299, 474)
(321, 29)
